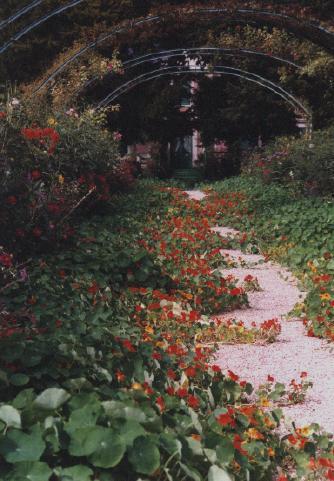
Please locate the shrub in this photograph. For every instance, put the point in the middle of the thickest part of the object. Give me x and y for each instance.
(307, 164)
(50, 166)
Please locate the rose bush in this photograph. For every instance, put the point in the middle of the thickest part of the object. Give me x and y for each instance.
(52, 168)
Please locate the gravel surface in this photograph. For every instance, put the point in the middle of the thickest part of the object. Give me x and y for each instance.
(293, 352)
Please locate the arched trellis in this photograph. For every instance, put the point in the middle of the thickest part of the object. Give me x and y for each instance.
(38, 22)
(309, 30)
(198, 52)
(214, 70)
(315, 33)
(20, 13)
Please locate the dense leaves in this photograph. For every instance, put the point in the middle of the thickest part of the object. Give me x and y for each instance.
(111, 381)
(297, 230)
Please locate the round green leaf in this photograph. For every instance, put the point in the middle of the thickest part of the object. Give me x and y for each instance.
(76, 473)
(17, 446)
(110, 450)
(225, 451)
(51, 398)
(19, 379)
(218, 474)
(30, 471)
(144, 456)
(10, 416)
(85, 441)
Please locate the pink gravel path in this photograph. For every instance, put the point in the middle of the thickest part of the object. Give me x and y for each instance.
(293, 353)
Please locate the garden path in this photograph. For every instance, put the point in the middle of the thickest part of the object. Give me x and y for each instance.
(292, 353)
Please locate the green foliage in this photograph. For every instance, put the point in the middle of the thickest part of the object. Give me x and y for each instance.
(48, 164)
(305, 164)
(298, 231)
(98, 397)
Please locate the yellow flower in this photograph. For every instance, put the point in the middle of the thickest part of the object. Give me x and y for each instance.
(269, 423)
(149, 329)
(264, 402)
(306, 431)
(137, 387)
(325, 297)
(61, 179)
(160, 344)
(254, 434)
(271, 452)
(52, 121)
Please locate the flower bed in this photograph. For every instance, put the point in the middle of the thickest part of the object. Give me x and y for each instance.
(100, 374)
(295, 230)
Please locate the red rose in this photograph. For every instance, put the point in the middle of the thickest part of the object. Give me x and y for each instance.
(35, 174)
(6, 260)
(12, 200)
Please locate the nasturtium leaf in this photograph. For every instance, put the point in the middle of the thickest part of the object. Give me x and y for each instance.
(84, 417)
(19, 379)
(85, 441)
(191, 472)
(30, 471)
(218, 474)
(170, 443)
(10, 416)
(76, 473)
(17, 446)
(129, 430)
(144, 456)
(24, 398)
(51, 398)
(225, 451)
(110, 451)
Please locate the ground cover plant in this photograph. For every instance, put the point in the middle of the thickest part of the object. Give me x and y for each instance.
(294, 229)
(101, 376)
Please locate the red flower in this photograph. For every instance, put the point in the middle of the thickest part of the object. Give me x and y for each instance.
(190, 371)
(233, 376)
(35, 174)
(237, 445)
(182, 392)
(42, 134)
(120, 376)
(330, 474)
(225, 420)
(11, 200)
(216, 368)
(37, 232)
(128, 345)
(171, 374)
(6, 260)
(270, 378)
(193, 401)
(161, 403)
(303, 374)
(3, 115)
(235, 292)
(170, 391)
(93, 289)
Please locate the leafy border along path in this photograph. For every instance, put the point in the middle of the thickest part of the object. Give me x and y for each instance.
(293, 352)
(100, 373)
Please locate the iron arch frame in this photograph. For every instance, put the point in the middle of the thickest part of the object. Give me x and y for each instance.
(314, 33)
(310, 30)
(39, 21)
(198, 52)
(20, 13)
(298, 106)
